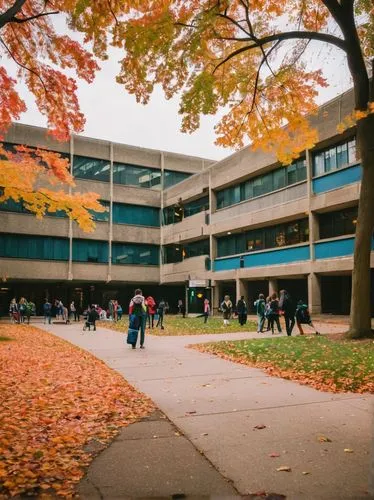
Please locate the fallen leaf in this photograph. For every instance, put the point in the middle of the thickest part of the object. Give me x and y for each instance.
(348, 450)
(191, 412)
(305, 473)
(284, 468)
(260, 426)
(324, 439)
(274, 455)
(204, 434)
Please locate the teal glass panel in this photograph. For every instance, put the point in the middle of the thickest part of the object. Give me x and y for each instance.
(102, 216)
(18, 207)
(90, 251)
(171, 177)
(128, 253)
(196, 206)
(34, 247)
(91, 168)
(136, 215)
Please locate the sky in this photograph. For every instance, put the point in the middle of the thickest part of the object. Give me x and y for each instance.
(113, 115)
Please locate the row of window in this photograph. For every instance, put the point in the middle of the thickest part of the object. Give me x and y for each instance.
(176, 213)
(338, 223)
(333, 158)
(177, 253)
(123, 213)
(262, 184)
(267, 237)
(51, 248)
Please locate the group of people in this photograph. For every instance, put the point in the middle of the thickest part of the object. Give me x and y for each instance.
(273, 308)
(21, 311)
(269, 310)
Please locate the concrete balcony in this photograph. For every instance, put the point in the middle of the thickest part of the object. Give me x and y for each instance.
(285, 204)
(335, 199)
(192, 268)
(28, 224)
(136, 234)
(189, 228)
(30, 269)
(135, 274)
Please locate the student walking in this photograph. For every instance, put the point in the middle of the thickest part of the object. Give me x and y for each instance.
(30, 310)
(138, 316)
(241, 309)
(206, 310)
(274, 313)
(260, 311)
(47, 311)
(22, 307)
(92, 317)
(226, 308)
(72, 310)
(288, 307)
(161, 312)
(14, 311)
(151, 310)
(303, 317)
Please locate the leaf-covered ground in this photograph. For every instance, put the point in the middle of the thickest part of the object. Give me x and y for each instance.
(325, 364)
(55, 399)
(176, 325)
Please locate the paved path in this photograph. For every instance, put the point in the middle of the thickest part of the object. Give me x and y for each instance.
(216, 404)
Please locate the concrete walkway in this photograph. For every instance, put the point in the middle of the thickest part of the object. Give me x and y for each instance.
(216, 405)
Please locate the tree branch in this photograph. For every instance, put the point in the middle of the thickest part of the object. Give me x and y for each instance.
(8, 15)
(26, 19)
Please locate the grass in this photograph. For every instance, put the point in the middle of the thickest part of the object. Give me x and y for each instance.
(326, 364)
(4, 339)
(176, 325)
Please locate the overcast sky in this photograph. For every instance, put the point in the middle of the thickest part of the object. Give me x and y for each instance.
(112, 114)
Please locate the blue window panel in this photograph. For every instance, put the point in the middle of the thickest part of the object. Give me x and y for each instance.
(227, 264)
(337, 248)
(90, 251)
(136, 215)
(91, 168)
(172, 177)
(275, 257)
(129, 253)
(33, 247)
(337, 179)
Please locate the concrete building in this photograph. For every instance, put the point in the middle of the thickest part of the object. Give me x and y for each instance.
(186, 227)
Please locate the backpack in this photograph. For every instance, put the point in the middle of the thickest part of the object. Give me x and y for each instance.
(302, 314)
(224, 306)
(260, 307)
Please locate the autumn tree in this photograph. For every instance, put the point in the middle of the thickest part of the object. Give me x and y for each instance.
(41, 56)
(250, 56)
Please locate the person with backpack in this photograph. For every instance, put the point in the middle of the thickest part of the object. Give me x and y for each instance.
(22, 309)
(14, 311)
(274, 313)
(260, 311)
(241, 309)
(161, 311)
(30, 310)
(226, 308)
(138, 316)
(287, 305)
(47, 311)
(151, 310)
(303, 317)
(92, 317)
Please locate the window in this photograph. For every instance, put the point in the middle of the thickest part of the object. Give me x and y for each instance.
(171, 177)
(136, 215)
(177, 253)
(133, 175)
(102, 216)
(338, 223)
(196, 206)
(262, 184)
(34, 247)
(129, 253)
(268, 237)
(19, 207)
(91, 168)
(90, 251)
(335, 157)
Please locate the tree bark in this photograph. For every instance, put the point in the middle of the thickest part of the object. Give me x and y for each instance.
(360, 321)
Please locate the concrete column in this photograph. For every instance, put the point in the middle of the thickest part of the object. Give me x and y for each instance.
(314, 293)
(110, 239)
(216, 296)
(70, 264)
(273, 286)
(241, 289)
(161, 267)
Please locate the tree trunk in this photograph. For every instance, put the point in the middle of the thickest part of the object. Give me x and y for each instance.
(360, 321)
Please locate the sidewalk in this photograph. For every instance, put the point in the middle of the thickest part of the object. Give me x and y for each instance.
(216, 405)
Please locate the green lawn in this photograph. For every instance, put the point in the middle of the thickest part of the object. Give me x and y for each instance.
(176, 325)
(326, 364)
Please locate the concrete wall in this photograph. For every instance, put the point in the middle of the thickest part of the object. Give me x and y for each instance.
(188, 229)
(189, 269)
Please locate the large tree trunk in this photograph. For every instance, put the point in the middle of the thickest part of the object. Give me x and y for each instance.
(360, 322)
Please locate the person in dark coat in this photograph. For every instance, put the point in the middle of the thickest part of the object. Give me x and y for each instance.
(241, 309)
(287, 305)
